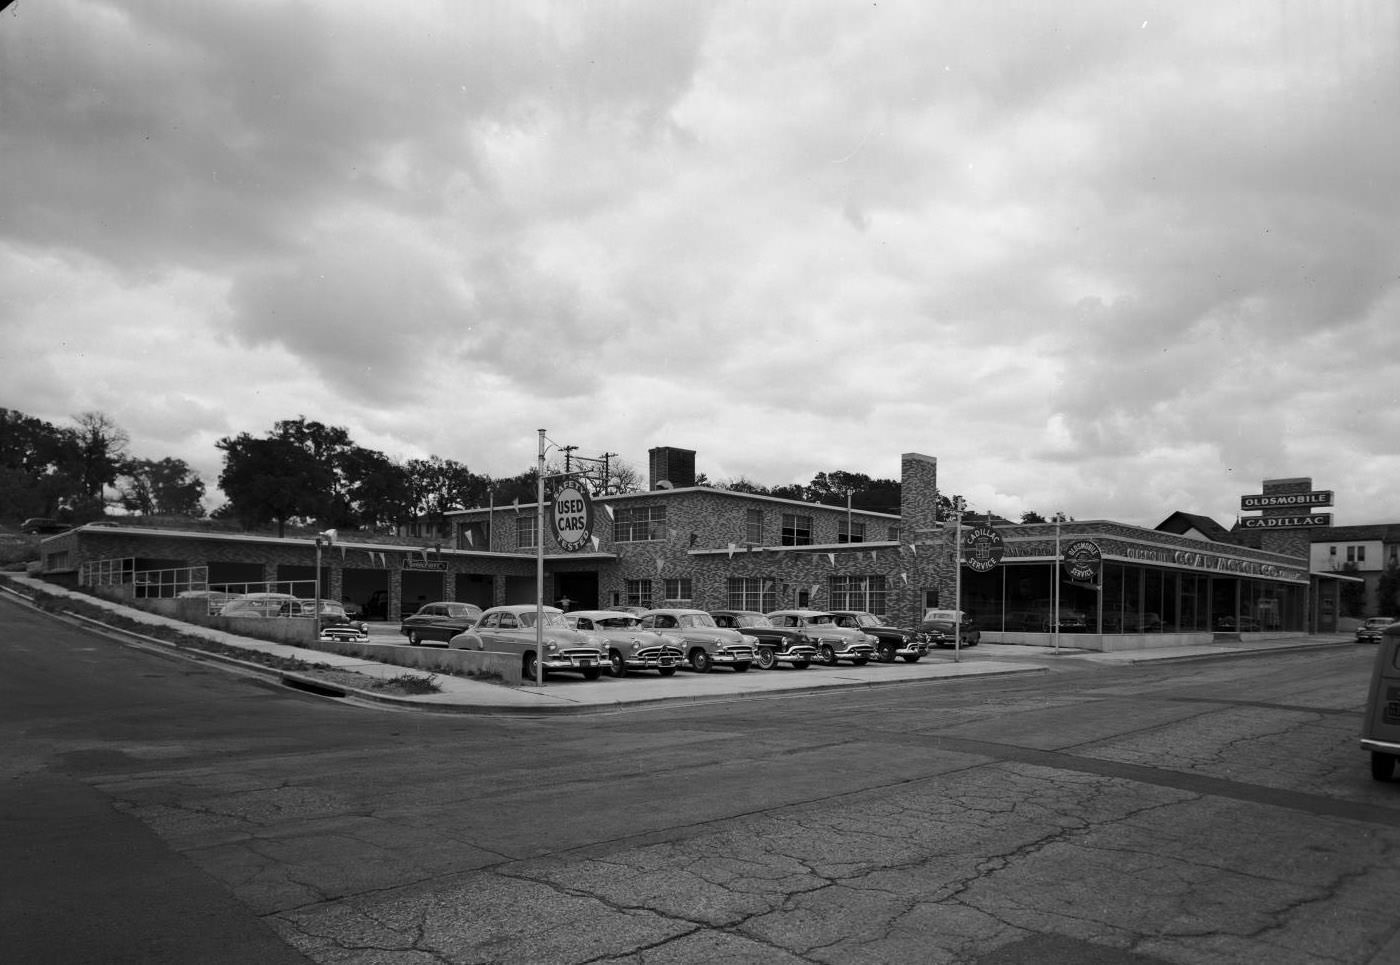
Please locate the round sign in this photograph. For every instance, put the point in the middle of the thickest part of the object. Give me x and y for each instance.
(1082, 559)
(983, 549)
(572, 516)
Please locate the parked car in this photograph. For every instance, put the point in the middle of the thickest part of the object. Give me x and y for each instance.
(891, 641)
(834, 643)
(706, 645)
(772, 644)
(440, 621)
(1370, 631)
(1242, 625)
(1040, 618)
(629, 646)
(950, 628)
(214, 599)
(336, 623)
(1380, 725)
(36, 525)
(264, 605)
(511, 629)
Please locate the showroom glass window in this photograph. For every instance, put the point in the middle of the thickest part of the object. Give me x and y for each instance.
(797, 530)
(635, 524)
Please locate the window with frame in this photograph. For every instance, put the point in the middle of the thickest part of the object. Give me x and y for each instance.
(753, 527)
(637, 592)
(859, 593)
(850, 531)
(751, 593)
(633, 524)
(678, 589)
(797, 530)
(526, 532)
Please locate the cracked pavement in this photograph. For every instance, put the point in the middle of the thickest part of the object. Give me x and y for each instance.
(1202, 813)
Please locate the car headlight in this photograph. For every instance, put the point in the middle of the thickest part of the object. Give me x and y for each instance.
(550, 646)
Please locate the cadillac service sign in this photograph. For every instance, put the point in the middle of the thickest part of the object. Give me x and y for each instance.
(982, 549)
(572, 513)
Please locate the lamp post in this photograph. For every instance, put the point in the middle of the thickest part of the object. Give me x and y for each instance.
(958, 505)
(539, 568)
(316, 603)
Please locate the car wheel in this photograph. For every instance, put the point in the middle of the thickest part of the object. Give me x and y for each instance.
(527, 669)
(801, 664)
(826, 655)
(741, 667)
(593, 674)
(700, 661)
(615, 665)
(912, 657)
(666, 671)
(1382, 766)
(859, 661)
(766, 658)
(413, 638)
(885, 653)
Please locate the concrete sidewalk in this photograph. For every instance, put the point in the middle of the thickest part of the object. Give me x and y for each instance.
(568, 694)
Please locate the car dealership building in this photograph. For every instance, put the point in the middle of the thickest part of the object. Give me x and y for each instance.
(685, 544)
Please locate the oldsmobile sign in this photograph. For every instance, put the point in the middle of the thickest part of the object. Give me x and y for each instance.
(1082, 560)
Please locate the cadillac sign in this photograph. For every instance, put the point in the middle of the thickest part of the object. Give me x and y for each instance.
(982, 549)
(1286, 522)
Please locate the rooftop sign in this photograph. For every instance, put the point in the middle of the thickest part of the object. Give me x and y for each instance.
(1286, 522)
(1287, 500)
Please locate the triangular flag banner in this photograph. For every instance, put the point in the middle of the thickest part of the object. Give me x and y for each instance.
(832, 558)
(471, 540)
(425, 554)
(874, 554)
(914, 548)
(594, 540)
(342, 552)
(815, 588)
(731, 551)
(659, 564)
(906, 578)
(608, 508)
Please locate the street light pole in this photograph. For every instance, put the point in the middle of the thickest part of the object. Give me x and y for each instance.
(316, 603)
(539, 568)
(957, 579)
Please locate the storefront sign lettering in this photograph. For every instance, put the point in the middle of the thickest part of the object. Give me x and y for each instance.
(1285, 522)
(1322, 497)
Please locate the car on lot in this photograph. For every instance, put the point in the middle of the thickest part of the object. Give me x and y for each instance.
(1380, 724)
(772, 644)
(891, 641)
(1040, 618)
(213, 599)
(439, 622)
(36, 525)
(1370, 631)
(336, 622)
(629, 646)
(264, 605)
(941, 625)
(834, 643)
(706, 645)
(511, 629)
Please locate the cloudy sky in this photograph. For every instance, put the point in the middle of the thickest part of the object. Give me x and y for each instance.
(1113, 258)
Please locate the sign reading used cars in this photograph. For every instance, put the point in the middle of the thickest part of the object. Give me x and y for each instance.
(572, 516)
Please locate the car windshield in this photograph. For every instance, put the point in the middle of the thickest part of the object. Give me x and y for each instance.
(861, 620)
(752, 620)
(459, 610)
(617, 623)
(696, 620)
(552, 620)
(818, 620)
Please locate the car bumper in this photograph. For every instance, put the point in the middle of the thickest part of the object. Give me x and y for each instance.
(1384, 747)
(574, 661)
(725, 658)
(652, 661)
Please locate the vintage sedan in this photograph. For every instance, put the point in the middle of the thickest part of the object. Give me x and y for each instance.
(949, 628)
(1371, 630)
(439, 622)
(772, 645)
(336, 623)
(706, 645)
(629, 646)
(834, 643)
(892, 641)
(511, 629)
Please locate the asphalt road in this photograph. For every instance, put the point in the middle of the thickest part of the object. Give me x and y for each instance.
(156, 810)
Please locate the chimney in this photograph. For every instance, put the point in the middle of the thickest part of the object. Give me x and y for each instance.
(672, 468)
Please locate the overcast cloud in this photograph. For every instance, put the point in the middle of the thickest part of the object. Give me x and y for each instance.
(1111, 258)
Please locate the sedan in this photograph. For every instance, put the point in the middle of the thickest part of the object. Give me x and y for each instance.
(439, 622)
(1370, 631)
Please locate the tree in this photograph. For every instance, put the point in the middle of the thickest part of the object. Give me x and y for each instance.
(167, 487)
(37, 462)
(1388, 591)
(437, 486)
(1031, 516)
(101, 453)
(269, 480)
(379, 489)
